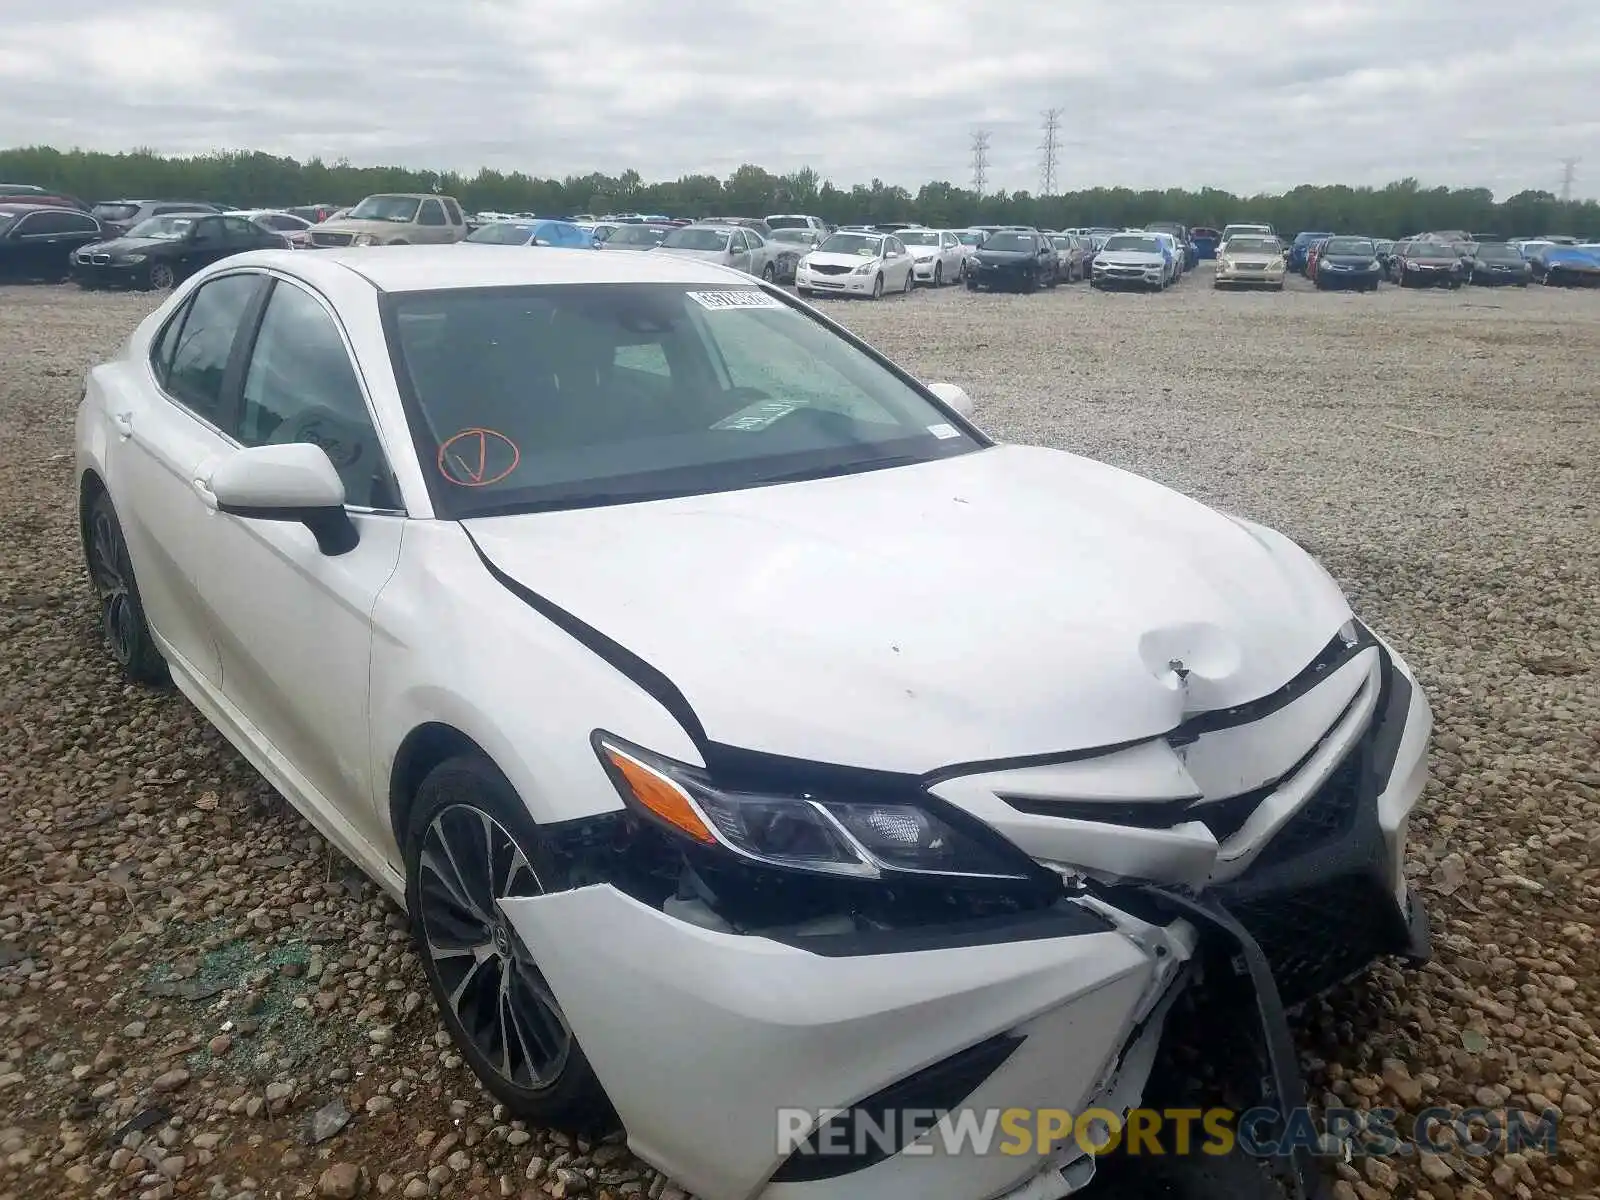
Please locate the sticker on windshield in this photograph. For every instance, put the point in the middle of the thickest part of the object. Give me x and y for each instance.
(755, 416)
(744, 298)
(942, 430)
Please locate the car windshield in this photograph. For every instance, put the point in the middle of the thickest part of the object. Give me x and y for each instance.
(691, 238)
(1254, 244)
(969, 239)
(1433, 250)
(502, 233)
(863, 244)
(1350, 246)
(577, 395)
(400, 209)
(1010, 241)
(1499, 252)
(1143, 243)
(166, 229)
(115, 212)
(788, 223)
(919, 237)
(637, 235)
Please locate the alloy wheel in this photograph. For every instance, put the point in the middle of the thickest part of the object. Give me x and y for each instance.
(108, 556)
(938, 274)
(468, 863)
(161, 277)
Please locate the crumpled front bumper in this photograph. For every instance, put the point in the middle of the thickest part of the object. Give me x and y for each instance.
(849, 284)
(702, 1037)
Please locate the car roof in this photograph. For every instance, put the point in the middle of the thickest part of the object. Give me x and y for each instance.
(472, 265)
(17, 209)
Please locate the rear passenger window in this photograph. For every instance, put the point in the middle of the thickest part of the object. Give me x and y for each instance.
(204, 344)
(431, 213)
(453, 210)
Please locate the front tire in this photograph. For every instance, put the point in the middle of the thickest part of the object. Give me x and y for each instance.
(768, 273)
(470, 843)
(938, 275)
(162, 277)
(911, 282)
(122, 621)
(877, 287)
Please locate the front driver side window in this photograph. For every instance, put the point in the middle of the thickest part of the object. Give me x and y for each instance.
(300, 386)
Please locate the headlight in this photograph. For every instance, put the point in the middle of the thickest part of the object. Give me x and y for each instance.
(1225, 264)
(857, 838)
(133, 258)
(866, 268)
(804, 262)
(363, 239)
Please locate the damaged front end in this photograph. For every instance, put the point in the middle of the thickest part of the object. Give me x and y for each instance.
(768, 963)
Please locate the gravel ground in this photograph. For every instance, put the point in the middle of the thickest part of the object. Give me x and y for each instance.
(198, 997)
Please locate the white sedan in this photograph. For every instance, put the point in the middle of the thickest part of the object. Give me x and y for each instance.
(744, 732)
(937, 255)
(856, 263)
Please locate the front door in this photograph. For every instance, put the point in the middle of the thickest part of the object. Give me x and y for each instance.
(294, 625)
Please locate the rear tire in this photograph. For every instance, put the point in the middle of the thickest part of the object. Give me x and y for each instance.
(123, 627)
(470, 842)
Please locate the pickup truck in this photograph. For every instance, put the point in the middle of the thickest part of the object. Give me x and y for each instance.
(394, 219)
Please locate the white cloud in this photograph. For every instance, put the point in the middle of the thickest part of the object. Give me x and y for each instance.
(1247, 95)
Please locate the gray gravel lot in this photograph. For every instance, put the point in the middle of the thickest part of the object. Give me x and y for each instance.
(180, 951)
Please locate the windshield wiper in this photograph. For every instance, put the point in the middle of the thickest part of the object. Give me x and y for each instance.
(849, 468)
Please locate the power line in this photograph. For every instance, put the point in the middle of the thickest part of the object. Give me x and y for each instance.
(980, 161)
(1569, 171)
(1050, 148)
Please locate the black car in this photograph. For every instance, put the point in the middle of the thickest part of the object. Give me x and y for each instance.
(36, 242)
(1494, 264)
(119, 216)
(1428, 264)
(163, 251)
(1349, 262)
(1021, 259)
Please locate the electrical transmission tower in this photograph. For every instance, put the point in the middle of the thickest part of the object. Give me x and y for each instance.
(1569, 171)
(980, 161)
(1049, 149)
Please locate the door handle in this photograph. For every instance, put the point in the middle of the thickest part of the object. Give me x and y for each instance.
(124, 422)
(202, 489)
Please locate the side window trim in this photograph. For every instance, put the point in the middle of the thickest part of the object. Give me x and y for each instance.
(237, 413)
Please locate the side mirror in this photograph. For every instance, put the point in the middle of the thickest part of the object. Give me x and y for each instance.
(294, 482)
(954, 396)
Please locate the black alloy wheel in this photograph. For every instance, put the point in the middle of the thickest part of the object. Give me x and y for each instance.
(122, 621)
(470, 845)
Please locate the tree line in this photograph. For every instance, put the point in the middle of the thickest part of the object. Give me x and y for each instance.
(254, 178)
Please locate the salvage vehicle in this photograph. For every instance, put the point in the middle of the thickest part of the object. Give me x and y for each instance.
(726, 245)
(1251, 261)
(1018, 259)
(37, 241)
(539, 232)
(394, 219)
(1131, 260)
(683, 848)
(117, 217)
(1348, 262)
(937, 256)
(1429, 264)
(1071, 257)
(636, 236)
(1301, 245)
(856, 263)
(1558, 264)
(164, 251)
(1495, 264)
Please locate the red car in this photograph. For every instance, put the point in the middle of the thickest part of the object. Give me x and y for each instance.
(1312, 256)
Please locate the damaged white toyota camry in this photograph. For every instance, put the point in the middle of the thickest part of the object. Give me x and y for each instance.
(744, 731)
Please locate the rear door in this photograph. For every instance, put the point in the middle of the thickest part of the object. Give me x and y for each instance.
(432, 224)
(167, 416)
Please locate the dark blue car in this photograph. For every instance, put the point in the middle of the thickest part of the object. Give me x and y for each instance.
(1349, 262)
(1300, 246)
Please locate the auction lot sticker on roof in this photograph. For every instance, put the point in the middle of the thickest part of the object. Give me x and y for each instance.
(744, 298)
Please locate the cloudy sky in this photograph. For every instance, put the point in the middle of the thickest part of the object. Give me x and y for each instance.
(1249, 95)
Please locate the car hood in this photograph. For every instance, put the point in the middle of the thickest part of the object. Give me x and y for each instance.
(1130, 258)
(128, 245)
(1011, 601)
(831, 258)
(346, 225)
